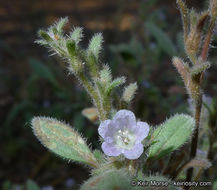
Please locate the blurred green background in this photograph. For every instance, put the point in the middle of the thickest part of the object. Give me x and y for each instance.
(140, 38)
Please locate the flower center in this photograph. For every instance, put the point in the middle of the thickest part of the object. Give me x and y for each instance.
(125, 139)
(123, 135)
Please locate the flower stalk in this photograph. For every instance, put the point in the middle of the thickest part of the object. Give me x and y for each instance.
(193, 76)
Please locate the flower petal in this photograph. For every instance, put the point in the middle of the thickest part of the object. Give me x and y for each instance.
(142, 132)
(110, 149)
(103, 128)
(135, 152)
(125, 118)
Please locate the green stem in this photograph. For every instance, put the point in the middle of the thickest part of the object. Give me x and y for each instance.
(92, 63)
(94, 95)
(103, 99)
(107, 105)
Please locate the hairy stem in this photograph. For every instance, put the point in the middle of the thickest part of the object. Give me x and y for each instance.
(204, 55)
(103, 100)
(107, 105)
(94, 95)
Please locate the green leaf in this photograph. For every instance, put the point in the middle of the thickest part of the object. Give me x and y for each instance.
(95, 45)
(99, 155)
(70, 44)
(162, 39)
(171, 135)
(63, 140)
(42, 71)
(31, 185)
(105, 75)
(115, 83)
(77, 34)
(60, 24)
(43, 34)
(110, 180)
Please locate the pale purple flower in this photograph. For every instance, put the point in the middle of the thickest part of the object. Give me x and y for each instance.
(123, 135)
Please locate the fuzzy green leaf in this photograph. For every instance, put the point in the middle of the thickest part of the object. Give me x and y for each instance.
(162, 39)
(95, 45)
(62, 140)
(60, 24)
(171, 135)
(70, 44)
(99, 155)
(105, 75)
(115, 83)
(44, 36)
(77, 34)
(110, 180)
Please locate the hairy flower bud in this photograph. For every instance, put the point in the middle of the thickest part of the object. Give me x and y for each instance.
(129, 92)
(193, 40)
(44, 35)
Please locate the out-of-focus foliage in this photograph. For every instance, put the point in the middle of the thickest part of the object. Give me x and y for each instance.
(29, 185)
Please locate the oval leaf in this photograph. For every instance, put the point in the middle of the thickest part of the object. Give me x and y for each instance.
(112, 179)
(171, 135)
(61, 139)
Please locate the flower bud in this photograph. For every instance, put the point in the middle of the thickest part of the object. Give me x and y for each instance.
(193, 42)
(129, 92)
(44, 35)
(70, 44)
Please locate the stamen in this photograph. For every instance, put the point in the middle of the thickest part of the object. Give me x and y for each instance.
(123, 136)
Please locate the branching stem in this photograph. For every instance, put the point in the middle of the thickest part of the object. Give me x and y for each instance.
(198, 106)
